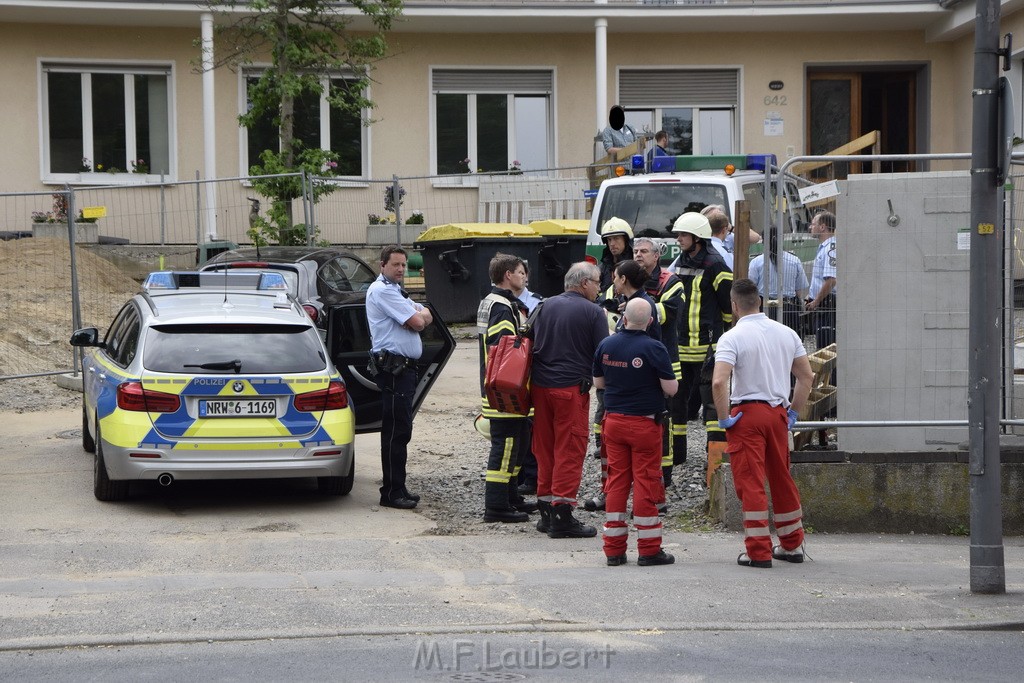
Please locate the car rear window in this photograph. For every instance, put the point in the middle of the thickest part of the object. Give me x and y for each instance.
(262, 349)
(652, 208)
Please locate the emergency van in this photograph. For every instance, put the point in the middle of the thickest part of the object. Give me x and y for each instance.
(651, 201)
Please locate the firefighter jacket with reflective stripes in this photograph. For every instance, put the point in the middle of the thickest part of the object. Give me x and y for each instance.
(667, 291)
(706, 310)
(499, 313)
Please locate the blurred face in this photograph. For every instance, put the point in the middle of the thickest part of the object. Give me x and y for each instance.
(591, 288)
(646, 255)
(818, 228)
(516, 280)
(686, 241)
(617, 244)
(618, 282)
(394, 269)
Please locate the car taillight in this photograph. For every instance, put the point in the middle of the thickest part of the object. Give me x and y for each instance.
(334, 397)
(310, 311)
(131, 396)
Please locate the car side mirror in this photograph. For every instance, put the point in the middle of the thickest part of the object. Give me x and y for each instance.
(88, 336)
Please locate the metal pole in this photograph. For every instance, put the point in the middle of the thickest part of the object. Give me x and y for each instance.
(199, 213)
(988, 574)
(396, 189)
(76, 304)
(163, 210)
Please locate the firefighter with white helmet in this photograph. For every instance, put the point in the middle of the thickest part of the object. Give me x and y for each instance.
(618, 246)
(705, 315)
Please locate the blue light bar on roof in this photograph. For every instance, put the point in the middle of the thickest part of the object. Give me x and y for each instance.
(169, 280)
(711, 162)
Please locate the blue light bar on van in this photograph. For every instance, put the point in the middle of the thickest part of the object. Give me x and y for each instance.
(711, 162)
(176, 280)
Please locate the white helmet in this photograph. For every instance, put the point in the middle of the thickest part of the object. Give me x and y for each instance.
(616, 226)
(693, 223)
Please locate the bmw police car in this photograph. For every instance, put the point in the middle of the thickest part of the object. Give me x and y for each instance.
(214, 376)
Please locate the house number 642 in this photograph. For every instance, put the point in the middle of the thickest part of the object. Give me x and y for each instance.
(775, 100)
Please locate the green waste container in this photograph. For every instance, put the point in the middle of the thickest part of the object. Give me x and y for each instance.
(456, 258)
(207, 250)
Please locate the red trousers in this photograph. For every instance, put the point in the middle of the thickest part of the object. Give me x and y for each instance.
(561, 431)
(634, 459)
(759, 450)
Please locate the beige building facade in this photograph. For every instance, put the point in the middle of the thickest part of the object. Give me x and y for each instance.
(501, 82)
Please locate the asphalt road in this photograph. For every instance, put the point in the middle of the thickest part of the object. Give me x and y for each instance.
(259, 580)
(799, 655)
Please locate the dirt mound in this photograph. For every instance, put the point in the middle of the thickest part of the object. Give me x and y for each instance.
(36, 296)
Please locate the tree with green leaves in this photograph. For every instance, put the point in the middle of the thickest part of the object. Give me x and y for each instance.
(309, 44)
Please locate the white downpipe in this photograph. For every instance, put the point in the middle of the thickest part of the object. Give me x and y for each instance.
(209, 127)
(601, 71)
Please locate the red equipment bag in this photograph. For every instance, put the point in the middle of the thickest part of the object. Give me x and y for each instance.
(507, 382)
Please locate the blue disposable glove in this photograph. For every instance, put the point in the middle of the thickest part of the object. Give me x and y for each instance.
(791, 414)
(730, 421)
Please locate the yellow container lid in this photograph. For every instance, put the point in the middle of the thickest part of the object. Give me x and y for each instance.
(456, 231)
(563, 226)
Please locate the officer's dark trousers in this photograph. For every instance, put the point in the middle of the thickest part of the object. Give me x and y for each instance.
(825, 322)
(396, 395)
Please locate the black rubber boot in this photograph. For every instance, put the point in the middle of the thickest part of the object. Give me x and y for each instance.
(666, 476)
(517, 501)
(505, 515)
(544, 524)
(564, 525)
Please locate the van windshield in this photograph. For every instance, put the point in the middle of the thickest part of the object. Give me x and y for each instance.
(652, 208)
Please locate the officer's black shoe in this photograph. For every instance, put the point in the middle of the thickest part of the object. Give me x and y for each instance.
(509, 515)
(412, 496)
(402, 503)
(744, 561)
(527, 488)
(523, 506)
(594, 504)
(544, 523)
(564, 525)
(616, 560)
(653, 560)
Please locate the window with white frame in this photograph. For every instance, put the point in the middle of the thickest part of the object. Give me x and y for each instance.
(107, 118)
(489, 120)
(317, 125)
(696, 107)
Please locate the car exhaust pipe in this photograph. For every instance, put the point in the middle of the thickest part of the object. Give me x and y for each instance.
(165, 479)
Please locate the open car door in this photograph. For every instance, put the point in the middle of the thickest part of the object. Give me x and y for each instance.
(348, 342)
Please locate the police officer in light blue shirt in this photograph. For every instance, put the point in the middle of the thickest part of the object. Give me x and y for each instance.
(395, 322)
(822, 300)
(794, 283)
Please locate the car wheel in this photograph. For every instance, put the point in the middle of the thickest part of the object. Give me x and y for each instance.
(102, 486)
(338, 486)
(87, 441)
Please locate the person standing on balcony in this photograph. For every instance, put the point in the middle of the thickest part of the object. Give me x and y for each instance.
(618, 133)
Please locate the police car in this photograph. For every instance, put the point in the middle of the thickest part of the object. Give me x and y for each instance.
(224, 376)
(650, 202)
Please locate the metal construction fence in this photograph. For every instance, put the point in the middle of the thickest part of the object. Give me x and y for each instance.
(49, 285)
(902, 266)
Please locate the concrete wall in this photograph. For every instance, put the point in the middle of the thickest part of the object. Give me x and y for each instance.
(902, 309)
(919, 494)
